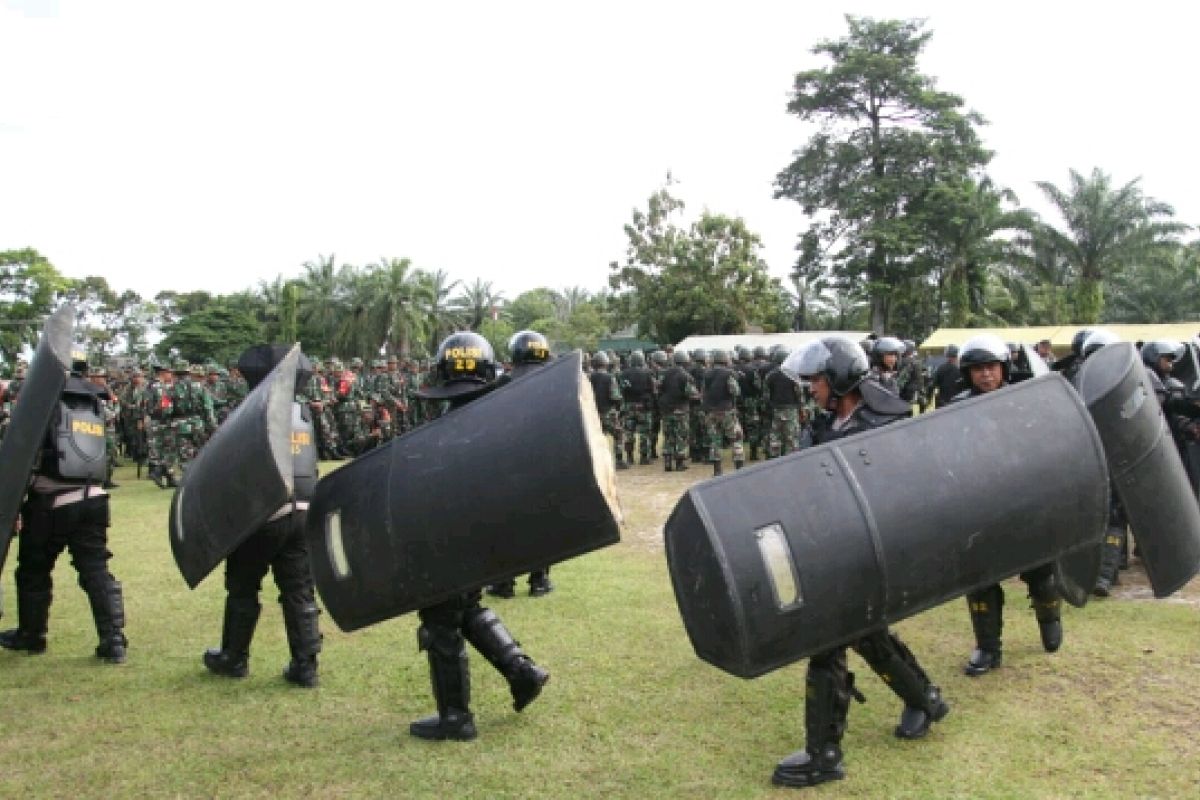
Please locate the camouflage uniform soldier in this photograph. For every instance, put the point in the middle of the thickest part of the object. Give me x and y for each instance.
(719, 398)
(319, 397)
(348, 392)
(676, 393)
(237, 388)
(607, 391)
(696, 437)
(8, 397)
(639, 387)
(162, 449)
(785, 397)
(110, 409)
(660, 362)
(218, 390)
(203, 422)
(749, 400)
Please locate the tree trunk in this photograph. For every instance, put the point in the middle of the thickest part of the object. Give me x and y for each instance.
(958, 297)
(1090, 300)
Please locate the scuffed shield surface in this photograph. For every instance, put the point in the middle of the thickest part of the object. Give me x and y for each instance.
(242, 476)
(786, 559)
(516, 480)
(1150, 477)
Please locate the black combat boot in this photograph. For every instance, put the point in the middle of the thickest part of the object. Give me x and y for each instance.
(739, 464)
(654, 449)
(1049, 619)
(505, 589)
(450, 676)
(621, 464)
(667, 464)
(629, 453)
(487, 634)
(754, 452)
(33, 614)
(680, 464)
(716, 468)
(304, 640)
(232, 660)
(892, 661)
(1110, 561)
(539, 583)
(644, 461)
(108, 609)
(987, 618)
(825, 708)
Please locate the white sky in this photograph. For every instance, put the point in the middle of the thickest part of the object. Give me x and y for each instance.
(210, 144)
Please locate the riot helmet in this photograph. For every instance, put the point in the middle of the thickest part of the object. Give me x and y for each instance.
(985, 349)
(951, 351)
(839, 359)
(529, 347)
(1096, 339)
(887, 346)
(681, 358)
(659, 358)
(760, 352)
(910, 347)
(599, 360)
(1078, 339)
(779, 354)
(743, 352)
(466, 357)
(699, 355)
(1153, 351)
(721, 357)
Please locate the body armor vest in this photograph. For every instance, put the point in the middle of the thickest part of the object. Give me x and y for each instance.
(304, 454)
(641, 384)
(782, 390)
(75, 446)
(747, 382)
(602, 388)
(717, 396)
(674, 388)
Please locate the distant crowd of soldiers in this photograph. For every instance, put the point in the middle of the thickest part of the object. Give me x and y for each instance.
(701, 402)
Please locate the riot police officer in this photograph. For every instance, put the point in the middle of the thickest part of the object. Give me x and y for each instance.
(466, 370)
(836, 369)
(984, 361)
(278, 546)
(529, 351)
(65, 507)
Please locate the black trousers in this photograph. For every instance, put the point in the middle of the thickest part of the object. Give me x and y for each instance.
(80, 527)
(280, 547)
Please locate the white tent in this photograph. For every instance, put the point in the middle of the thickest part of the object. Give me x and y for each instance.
(791, 340)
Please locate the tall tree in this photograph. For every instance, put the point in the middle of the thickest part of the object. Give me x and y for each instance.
(440, 317)
(709, 277)
(400, 302)
(1107, 229)
(886, 136)
(321, 304)
(477, 302)
(1163, 289)
(29, 284)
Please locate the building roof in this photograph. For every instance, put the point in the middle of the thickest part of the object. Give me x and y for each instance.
(791, 340)
(1060, 335)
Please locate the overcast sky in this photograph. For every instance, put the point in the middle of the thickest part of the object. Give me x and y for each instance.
(216, 143)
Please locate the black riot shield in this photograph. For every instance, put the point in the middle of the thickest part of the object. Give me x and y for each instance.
(31, 416)
(1146, 469)
(521, 478)
(241, 476)
(790, 558)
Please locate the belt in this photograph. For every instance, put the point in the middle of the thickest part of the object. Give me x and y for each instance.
(284, 510)
(77, 495)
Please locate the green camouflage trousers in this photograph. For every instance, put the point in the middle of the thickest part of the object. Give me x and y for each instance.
(610, 421)
(784, 436)
(752, 425)
(162, 446)
(675, 433)
(637, 428)
(723, 427)
(696, 437)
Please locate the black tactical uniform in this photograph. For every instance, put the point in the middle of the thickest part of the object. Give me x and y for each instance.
(466, 367)
(278, 546)
(66, 508)
(830, 684)
(947, 379)
(987, 604)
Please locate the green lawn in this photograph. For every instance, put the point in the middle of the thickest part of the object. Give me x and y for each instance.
(630, 712)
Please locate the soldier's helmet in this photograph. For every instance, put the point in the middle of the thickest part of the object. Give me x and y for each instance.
(379, 363)
(1096, 339)
(887, 345)
(910, 347)
(985, 349)
(760, 352)
(838, 358)
(196, 370)
(212, 369)
(356, 363)
(466, 357)
(97, 372)
(951, 351)
(335, 365)
(222, 373)
(659, 358)
(743, 352)
(1153, 351)
(681, 358)
(180, 366)
(721, 357)
(1078, 339)
(699, 355)
(529, 347)
(637, 359)
(600, 360)
(779, 354)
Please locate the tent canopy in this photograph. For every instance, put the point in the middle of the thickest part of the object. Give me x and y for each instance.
(1059, 335)
(791, 340)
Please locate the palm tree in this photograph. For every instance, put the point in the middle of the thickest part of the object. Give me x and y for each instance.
(1165, 289)
(398, 312)
(809, 294)
(477, 302)
(1107, 230)
(321, 306)
(440, 318)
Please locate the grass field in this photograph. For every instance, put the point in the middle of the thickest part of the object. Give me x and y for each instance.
(630, 712)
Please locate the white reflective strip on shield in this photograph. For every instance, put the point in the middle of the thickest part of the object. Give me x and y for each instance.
(781, 567)
(334, 546)
(179, 514)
